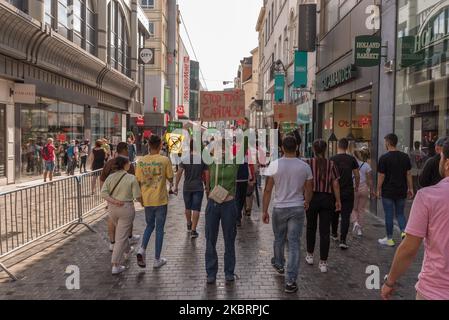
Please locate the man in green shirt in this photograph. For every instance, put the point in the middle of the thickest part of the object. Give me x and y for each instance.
(226, 212)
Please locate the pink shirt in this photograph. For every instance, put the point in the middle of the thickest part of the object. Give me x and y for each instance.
(429, 219)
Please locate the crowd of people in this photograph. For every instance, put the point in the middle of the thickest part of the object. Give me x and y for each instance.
(326, 194)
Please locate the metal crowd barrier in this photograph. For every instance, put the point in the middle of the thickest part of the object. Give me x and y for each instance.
(31, 213)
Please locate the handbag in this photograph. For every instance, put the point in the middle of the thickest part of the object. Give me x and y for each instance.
(218, 194)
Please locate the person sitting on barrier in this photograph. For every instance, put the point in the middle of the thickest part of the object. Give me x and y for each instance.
(109, 168)
(120, 190)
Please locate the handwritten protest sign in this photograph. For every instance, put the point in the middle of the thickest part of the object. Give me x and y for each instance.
(222, 105)
(285, 113)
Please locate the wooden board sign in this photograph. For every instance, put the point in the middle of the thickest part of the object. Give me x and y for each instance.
(285, 113)
(222, 105)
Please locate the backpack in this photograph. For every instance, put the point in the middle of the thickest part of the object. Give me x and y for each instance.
(46, 153)
(71, 151)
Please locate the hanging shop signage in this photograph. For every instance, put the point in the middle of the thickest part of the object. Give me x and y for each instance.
(338, 77)
(186, 87)
(301, 58)
(307, 15)
(25, 93)
(222, 105)
(367, 51)
(279, 87)
(146, 56)
(140, 121)
(409, 56)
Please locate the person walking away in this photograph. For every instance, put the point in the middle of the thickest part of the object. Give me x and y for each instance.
(120, 190)
(49, 157)
(393, 187)
(194, 170)
(325, 201)
(347, 168)
(97, 159)
(252, 185)
(365, 190)
(417, 158)
(429, 221)
(84, 153)
(430, 174)
(221, 207)
(110, 168)
(152, 172)
(292, 180)
(72, 156)
(132, 150)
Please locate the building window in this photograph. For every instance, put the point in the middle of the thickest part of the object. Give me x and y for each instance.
(19, 4)
(335, 10)
(422, 84)
(119, 50)
(75, 20)
(147, 4)
(151, 28)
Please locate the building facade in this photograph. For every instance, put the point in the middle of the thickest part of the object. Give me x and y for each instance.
(161, 76)
(68, 70)
(347, 96)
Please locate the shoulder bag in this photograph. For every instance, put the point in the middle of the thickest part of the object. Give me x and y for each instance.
(117, 184)
(218, 194)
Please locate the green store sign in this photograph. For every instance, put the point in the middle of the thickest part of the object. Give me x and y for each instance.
(338, 77)
(367, 51)
(288, 127)
(172, 126)
(279, 87)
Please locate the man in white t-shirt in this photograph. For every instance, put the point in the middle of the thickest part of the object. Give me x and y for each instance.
(292, 180)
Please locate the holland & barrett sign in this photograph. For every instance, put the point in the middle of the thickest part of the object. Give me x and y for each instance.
(368, 50)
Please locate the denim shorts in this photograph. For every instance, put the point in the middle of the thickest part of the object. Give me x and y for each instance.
(193, 200)
(49, 166)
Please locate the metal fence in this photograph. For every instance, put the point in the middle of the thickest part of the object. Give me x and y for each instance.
(28, 214)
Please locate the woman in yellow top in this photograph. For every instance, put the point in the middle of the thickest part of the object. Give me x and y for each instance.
(120, 190)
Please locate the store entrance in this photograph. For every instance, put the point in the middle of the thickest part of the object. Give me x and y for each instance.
(349, 116)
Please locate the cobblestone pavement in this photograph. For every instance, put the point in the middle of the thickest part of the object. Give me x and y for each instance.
(42, 266)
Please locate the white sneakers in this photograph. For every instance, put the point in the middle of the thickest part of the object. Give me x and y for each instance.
(323, 266)
(387, 242)
(134, 239)
(118, 269)
(309, 259)
(159, 263)
(357, 230)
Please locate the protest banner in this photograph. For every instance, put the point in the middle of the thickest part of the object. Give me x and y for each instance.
(222, 105)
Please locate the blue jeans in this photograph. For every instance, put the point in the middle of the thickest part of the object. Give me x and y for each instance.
(155, 217)
(288, 224)
(227, 213)
(392, 207)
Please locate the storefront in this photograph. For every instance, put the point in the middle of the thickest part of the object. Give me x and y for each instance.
(422, 77)
(64, 122)
(347, 95)
(305, 127)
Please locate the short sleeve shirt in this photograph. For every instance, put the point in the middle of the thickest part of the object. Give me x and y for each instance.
(324, 174)
(193, 179)
(346, 164)
(290, 176)
(152, 172)
(429, 219)
(227, 176)
(394, 165)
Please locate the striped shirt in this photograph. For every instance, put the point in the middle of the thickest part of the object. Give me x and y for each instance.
(331, 174)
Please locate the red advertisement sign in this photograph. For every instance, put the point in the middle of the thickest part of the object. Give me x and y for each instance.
(222, 105)
(140, 121)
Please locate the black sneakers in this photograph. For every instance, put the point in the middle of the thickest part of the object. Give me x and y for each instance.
(279, 270)
(291, 288)
(189, 227)
(194, 235)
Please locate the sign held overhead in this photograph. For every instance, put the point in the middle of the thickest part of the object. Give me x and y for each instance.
(222, 105)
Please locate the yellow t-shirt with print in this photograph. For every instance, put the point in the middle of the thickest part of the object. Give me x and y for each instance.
(152, 172)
